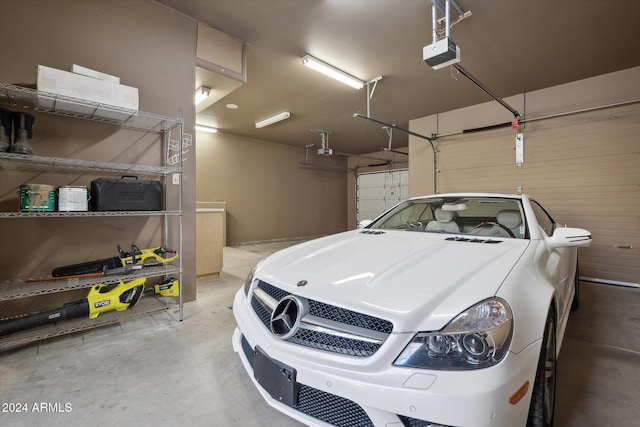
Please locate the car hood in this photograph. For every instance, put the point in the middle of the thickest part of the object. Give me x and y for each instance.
(417, 280)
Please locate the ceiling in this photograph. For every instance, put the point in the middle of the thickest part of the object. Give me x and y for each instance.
(510, 46)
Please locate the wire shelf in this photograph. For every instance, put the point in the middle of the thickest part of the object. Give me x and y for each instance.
(22, 97)
(15, 289)
(147, 305)
(28, 161)
(85, 214)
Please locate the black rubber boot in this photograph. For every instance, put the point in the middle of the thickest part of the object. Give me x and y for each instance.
(23, 125)
(5, 130)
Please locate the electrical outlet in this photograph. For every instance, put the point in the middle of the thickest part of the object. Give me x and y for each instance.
(176, 179)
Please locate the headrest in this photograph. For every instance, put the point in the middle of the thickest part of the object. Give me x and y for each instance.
(444, 216)
(509, 218)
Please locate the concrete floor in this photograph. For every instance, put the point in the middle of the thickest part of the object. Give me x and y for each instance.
(156, 370)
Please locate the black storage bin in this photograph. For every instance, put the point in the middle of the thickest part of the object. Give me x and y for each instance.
(126, 194)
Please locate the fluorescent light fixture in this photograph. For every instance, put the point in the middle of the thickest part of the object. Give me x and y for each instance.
(272, 120)
(206, 129)
(202, 93)
(332, 72)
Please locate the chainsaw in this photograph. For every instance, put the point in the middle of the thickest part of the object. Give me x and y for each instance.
(136, 256)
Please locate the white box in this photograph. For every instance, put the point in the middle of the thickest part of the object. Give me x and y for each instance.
(77, 69)
(90, 89)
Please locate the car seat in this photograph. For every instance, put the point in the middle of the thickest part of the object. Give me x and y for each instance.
(444, 222)
(512, 220)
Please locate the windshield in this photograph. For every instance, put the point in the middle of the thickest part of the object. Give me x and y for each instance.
(478, 216)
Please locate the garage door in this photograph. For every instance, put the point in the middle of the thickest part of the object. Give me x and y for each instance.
(378, 191)
(585, 169)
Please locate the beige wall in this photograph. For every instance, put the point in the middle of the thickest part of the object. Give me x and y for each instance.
(148, 47)
(584, 168)
(269, 195)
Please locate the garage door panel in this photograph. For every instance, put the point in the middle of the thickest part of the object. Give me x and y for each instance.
(614, 172)
(604, 212)
(392, 192)
(404, 178)
(500, 178)
(404, 192)
(372, 205)
(371, 180)
(605, 263)
(375, 193)
(502, 155)
(621, 236)
(582, 194)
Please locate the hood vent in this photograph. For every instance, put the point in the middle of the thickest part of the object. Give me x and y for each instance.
(472, 240)
(369, 231)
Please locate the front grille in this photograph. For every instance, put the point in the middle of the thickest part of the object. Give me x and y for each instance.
(413, 422)
(349, 317)
(321, 405)
(330, 408)
(276, 293)
(247, 350)
(322, 340)
(333, 343)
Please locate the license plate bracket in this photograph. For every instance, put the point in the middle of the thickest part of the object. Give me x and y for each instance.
(278, 379)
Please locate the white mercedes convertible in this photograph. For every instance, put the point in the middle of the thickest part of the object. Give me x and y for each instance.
(447, 310)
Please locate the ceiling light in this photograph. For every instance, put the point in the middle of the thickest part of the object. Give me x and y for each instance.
(332, 72)
(202, 93)
(206, 129)
(272, 120)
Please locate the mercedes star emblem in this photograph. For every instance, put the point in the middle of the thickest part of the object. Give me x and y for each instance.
(286, 316)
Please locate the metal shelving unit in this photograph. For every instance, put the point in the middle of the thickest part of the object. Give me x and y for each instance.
(25, 98)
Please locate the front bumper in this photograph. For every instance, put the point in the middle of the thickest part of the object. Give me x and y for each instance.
(352, 392)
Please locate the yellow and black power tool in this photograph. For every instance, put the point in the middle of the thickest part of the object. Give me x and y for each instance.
(136, 256)
(101, 298)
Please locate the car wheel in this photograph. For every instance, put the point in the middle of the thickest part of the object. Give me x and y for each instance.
(543, 398)
(576, 285)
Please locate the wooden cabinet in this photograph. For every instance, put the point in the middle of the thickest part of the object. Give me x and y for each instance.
(210, 240)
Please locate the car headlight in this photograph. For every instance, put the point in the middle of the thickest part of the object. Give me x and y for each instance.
(477, 338)
(249, 280)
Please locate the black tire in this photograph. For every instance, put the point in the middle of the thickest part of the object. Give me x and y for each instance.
(543, 399)
(575, 303)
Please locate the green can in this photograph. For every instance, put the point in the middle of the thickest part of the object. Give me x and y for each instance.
(37, 198)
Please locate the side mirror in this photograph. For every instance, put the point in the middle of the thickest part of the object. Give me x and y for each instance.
(570, 237)
(364, 223)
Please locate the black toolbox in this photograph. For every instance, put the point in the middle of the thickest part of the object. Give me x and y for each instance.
(126, 194)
